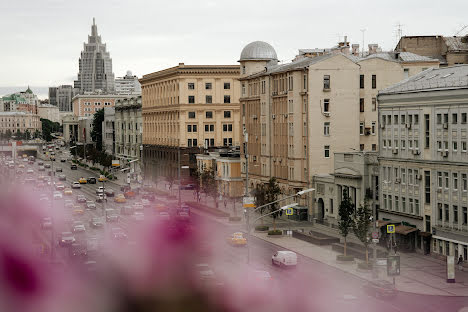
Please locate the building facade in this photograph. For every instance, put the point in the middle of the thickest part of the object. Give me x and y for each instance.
(62, 97)
(108, 131)
(14, 122)
(24, 101)
(85, 105)
(127, 84)
(424, 159)
(48, 111)
(186, 109)
(95, 66)
(70, 128)
(129, 130)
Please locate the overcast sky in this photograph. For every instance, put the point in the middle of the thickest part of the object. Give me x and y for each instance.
(41, 40)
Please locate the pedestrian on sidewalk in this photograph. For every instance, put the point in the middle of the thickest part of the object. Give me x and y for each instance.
(460, 263)
(225, 204)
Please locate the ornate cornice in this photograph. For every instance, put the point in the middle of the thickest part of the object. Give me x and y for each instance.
(209, 70)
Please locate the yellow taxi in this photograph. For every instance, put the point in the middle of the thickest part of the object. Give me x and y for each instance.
(67, 191)
(77, 210)
(21, 166)
(82, 180)
(160, 207)
(120, 198)
(102, 178)
(237, 239)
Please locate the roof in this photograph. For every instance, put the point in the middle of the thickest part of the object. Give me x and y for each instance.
(454, 77)
(405, 57)
(455, 44)
(404, 229)
(258, 50)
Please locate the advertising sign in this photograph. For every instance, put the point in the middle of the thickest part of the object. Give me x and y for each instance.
(393, 266)
(450, 269)
(249, 202)
(115, 163)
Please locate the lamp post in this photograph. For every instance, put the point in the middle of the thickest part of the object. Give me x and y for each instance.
(247, 214)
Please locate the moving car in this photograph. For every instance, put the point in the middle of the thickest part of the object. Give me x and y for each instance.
(91, 180)
(284, 258)
(66, 239)
(120, 198)
(102, 178)
(76, 185)
(380, 289)
(100, 198)
(118, 234)
(237, 239)
(109, 192)
(59, 186)
(80, 198)
(41, 168)
(77, 210)
(46, 223)
(58, 169)
(57, 195)
(73, 167)
(62, 177)
(78, 226)
(47, 166)
(68, 191)
(82, 180)
(111, 215)
(30, 171)
(40, 163)
(90, 205)
(96, 223)
(62, 160)
(100, 190)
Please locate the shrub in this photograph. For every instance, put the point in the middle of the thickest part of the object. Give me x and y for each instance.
(364, 266)
(234, 219)
(261, 228)
(344, 258)
(94, 168)
(275, 232)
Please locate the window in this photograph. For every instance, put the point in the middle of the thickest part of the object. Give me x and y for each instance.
(403, 144)
(411, 205)
(374, 147)
(406, 73)
(445, 118)
(463, 121)
(464, 182)
(326, 128)
(326, 82)
(427, 186)
(374, 104)
(227, 99)
(455, 214)
(410, 177)
(327, 151)
(455, 181)
(463, 146)
(454, 119)
(189, 128)
(209, 128)
(326, 105)
(446, 176)
(191, 115)
(374, 81)
(191, 99)
(361, 105)
(395, 119)
(439, 119)
(361, 128)
(447, 213)
(373, 128)
(385, 201)
(416, 207)
(361, 81)
(209, 99)
(403, 204)
(227, 86)
(227, 114)
(209, 114)
(455, 146)
(361, 147)
(208, 86)
(427, 133)
(227, 141)
(189, 142)
(191, 86)
(228, 128)
(416, 119)
(465, 215)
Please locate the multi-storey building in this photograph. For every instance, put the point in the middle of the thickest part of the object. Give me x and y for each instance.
(85, 105)
(62, 97)
(298, 115)
(70, 128)
(187, 108)
(48, 111)
(19, 122)
(95, 66)
(424, 160)
(108, 130)
(24, 101)
(128, 129)
(127, 84)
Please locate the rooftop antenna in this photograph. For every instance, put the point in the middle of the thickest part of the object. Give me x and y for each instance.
(399, 32)
(363, 32)
(462, 29)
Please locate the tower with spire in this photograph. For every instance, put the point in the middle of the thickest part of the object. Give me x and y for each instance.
(95, 66)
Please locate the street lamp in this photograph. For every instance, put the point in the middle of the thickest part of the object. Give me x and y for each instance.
(74, 147)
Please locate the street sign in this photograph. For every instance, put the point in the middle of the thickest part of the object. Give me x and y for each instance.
(375, 235)
(381, 261)
(393, 266)
(391, 228)
(289, 212)
(249, 202)
(375, 240)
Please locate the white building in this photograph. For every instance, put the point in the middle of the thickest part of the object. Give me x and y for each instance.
(127, 84)
(48, 111)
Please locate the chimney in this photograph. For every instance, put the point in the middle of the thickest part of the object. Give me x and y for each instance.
(373, 48)
(355, 49)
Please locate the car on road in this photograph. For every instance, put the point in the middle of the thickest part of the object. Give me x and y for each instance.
(237, 239)
(164, 216)
(57, 195)
(90, 205)
(77, 210)
(109, 192)
(96, 223)
(82, 180)
(127, 210)
(21, 166)
(146, 203)
(40, 163)
(120, 198)
(46, 223)
(284, 258)
(66, 239)
(80, 198)
(78, 251)
(62, 159)
(73, 167)
(149, 196)
(138, 216)
(100, 190)
(111, 215)
(30, 171)
(102, 178)
(118, 234)
(76, 185)
(67, 191)
(91, 180)
(62, 177)
(47, 166)
(58, 169)
(138, 206)
(380, 289)
(78, 226)
(59, 186)
(100, 198)
(41, 168)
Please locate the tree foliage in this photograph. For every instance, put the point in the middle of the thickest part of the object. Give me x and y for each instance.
(96, 132)
(49, 127)
(268, 193)
(361, 225)
(345, 213)
(209, 184)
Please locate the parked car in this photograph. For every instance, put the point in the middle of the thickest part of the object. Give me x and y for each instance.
(62, 159)
(284, 258)
(380, 289)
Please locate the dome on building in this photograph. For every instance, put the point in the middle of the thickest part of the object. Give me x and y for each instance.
(258, 50)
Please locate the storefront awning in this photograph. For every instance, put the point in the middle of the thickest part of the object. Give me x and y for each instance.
(404, 230)
(425, 234)
(381, 223)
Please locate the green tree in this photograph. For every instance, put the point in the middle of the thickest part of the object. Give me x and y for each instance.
(345, 213)
(49, 127)
(96, 132)
(209, 184)
(27, 135)
(260, 198)
(272, 191)
(361, 226)
(196, 176)
(8, 134)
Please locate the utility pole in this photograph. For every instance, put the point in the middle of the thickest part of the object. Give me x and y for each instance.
(246, 211)
(178, 171)
(363, 32)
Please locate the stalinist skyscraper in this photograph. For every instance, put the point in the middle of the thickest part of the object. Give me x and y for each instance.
(95, 66)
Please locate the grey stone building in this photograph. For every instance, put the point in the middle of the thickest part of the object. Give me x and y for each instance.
(108, 130)
(127, 84)
(424, 159)
(62, 96)
(95, 66)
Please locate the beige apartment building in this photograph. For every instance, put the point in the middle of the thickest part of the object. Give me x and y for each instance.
(19, 122)
(85, 105)
(424, 160)
(186, 109)
(298, 115)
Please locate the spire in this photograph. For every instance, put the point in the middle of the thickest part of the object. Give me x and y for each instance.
(94, 28)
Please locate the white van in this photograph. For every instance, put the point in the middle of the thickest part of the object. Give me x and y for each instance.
(284, 258)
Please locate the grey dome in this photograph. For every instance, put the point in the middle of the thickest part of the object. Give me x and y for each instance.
(258, 50)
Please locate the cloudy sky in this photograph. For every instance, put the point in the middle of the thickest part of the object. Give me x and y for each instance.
(41, 40)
